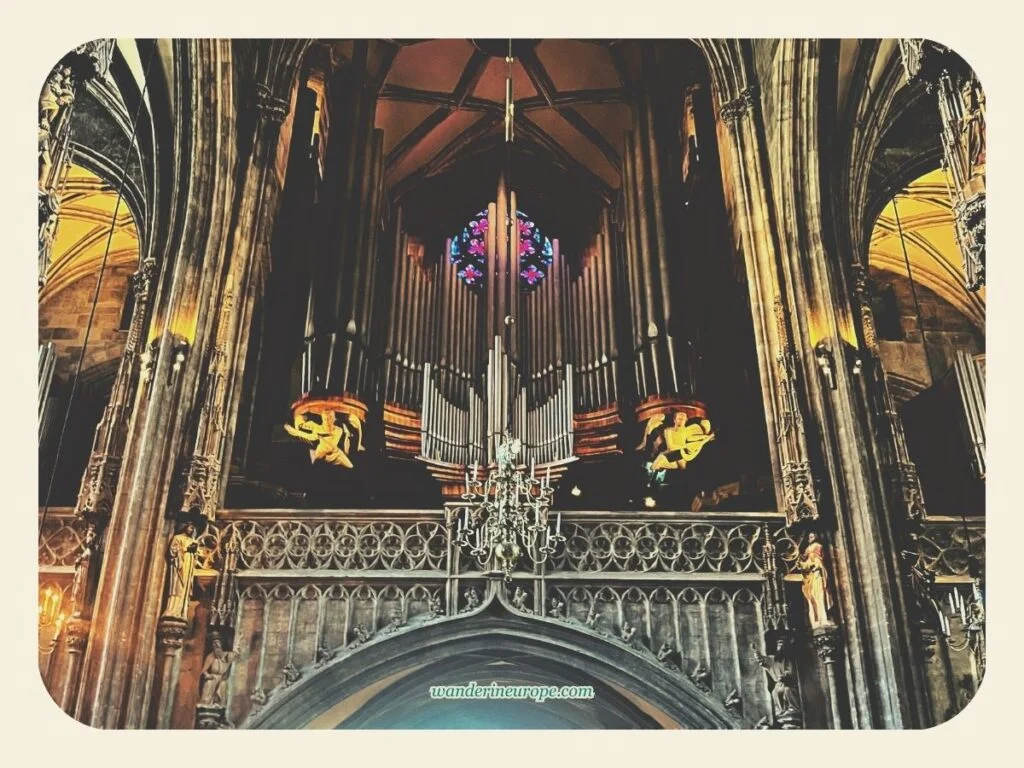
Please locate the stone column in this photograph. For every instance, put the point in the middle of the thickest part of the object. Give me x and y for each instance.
(99, 483)
(118, 664)
(883, 686)
(253, 214)
(824, 457)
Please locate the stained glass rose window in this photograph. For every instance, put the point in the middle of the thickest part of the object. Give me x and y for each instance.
(469, 252)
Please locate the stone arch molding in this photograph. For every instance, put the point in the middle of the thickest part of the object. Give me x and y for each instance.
(671, 695)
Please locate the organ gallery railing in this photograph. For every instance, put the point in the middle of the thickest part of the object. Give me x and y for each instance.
(290, 591)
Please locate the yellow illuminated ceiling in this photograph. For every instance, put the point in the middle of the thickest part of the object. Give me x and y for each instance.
(83, 229)
(926, 218)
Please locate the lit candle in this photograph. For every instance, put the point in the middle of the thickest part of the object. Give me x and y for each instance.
(547, 476)
(476, 468)
(533, 469)
(558, 525)
(467, 483)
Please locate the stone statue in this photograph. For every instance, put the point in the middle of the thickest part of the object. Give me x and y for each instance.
(45, 158)
(361, 636)
(815, 582)
(58, 91)
(733, 700)
(557, 608)
(394, 625)
(665, 654)
(79, 591)
(291, 674)
(435, 607)
(519, 600)
(702, 677)
(323, 655)
(182, 554)
(628, 633)
(591, 621)
(782, 682)
(48, 232)
(213, 679)
(472, 600)
(259, 698)
(972, 127)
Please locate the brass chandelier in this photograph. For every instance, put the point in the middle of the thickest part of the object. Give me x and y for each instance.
(507, 514)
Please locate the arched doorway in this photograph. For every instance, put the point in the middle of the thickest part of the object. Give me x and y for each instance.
(386, 684)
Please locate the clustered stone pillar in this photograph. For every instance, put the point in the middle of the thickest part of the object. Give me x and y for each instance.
(56, 104)
(961, 105)
(824, 458)
(141, 613)
(99, 483)
(254, 212)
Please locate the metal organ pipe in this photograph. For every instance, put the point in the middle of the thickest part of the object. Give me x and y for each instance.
(367, 254)
(632, 250)
(651, 330)
(600, 308)
(612, 348)
(661, 239)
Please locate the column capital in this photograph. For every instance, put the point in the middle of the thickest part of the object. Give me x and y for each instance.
(269, 106)
(827, 642)
(744, 103)
(171, 632)
(76, 634)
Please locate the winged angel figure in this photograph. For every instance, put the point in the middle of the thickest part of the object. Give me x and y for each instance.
(330, 442)
(673, 445)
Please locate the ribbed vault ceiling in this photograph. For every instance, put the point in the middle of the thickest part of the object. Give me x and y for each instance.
(926, 218)
(83, 229)
(442, 96)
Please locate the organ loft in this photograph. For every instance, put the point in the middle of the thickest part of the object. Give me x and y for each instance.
(653, 367)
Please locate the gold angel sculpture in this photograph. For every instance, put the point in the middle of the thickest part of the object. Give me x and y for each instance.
(678, 444)
(331, 442)
(673, 445)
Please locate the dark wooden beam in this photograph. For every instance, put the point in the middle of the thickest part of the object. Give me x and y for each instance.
(619, 62)
(470, 76)
(381, 76)
(580, 123)
(453, 147)
(538, 75)
(535, 132)
(416, 96)
(574, 98)
(415, 136)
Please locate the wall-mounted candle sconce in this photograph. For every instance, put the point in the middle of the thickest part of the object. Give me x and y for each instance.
(179, 350)
(823, 354)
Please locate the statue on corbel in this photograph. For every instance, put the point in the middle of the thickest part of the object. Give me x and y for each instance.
(814, 568)
(187, 559)
(787, 710)
(332, 440)
(182, 555)
(778, 663)
(214, 677)
(675, 433)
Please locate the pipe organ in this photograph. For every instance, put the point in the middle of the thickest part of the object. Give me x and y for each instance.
(499, 363)
(500, 331)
